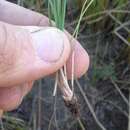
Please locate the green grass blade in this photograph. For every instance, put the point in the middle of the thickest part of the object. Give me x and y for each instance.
(57, 9)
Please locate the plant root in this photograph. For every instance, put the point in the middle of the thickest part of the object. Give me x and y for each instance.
(73, 106)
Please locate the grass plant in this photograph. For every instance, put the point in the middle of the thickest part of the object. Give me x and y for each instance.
(57, 11)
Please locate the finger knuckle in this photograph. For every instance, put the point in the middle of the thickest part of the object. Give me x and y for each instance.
(7, 55)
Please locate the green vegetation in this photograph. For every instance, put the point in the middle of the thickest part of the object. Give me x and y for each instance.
(98, 14)
(57, 11)
(103, 72)
(12, 123)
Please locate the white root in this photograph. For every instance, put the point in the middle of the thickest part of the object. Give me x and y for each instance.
(64, 87)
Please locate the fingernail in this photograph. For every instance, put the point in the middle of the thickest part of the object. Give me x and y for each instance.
(49, 44)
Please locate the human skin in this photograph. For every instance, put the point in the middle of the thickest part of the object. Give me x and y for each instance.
(26, 57)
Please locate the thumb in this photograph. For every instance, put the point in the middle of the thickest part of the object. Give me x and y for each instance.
(29, 53)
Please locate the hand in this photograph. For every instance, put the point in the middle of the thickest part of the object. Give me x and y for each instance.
(25, 57)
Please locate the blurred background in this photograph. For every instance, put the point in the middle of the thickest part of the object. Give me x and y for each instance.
(103, 92)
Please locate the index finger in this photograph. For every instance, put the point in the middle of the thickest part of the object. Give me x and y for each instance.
(14, 14)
